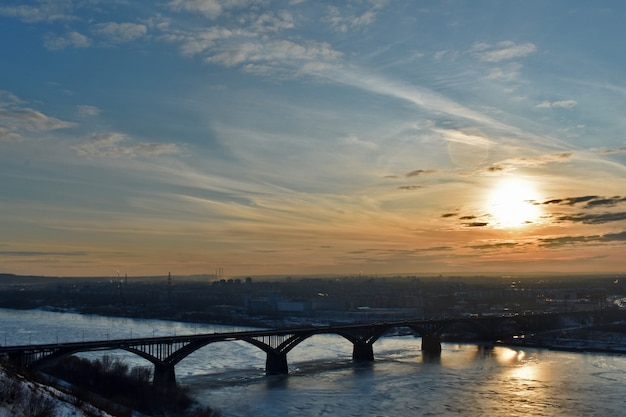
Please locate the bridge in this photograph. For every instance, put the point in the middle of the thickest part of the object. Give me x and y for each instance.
(165, 352)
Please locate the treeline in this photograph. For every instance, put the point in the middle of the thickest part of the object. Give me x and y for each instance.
(114, 380)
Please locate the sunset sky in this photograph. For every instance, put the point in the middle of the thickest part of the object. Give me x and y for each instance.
(312, 137)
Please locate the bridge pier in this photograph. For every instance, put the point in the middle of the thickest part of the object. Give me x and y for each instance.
(276, 364)
(164, 376)
(431, 345)
(362, 352)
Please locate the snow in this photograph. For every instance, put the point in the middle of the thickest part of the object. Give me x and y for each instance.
(30, 393)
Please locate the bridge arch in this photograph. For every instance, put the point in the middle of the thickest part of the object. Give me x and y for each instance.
(61, 353)
(277, 352)
(334, 342)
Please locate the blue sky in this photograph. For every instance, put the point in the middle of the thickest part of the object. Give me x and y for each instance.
(312, 137)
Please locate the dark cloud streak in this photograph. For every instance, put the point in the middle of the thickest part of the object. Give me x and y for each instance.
(419, 172)
(496, 245)
(617, 150)
(594, 218)
(476, 224)
(591, 200)
(36, 253)
(612, 201)
(577, 240)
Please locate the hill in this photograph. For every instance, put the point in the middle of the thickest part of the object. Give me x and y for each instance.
(21, 397)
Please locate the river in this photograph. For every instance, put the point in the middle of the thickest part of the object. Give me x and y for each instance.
(466, 381)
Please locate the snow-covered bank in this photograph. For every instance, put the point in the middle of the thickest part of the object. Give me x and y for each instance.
(20, 397)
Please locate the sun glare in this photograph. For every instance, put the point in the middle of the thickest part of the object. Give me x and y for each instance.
(512, 204)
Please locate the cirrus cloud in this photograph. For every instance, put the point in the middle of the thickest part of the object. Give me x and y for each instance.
(564, 104)
(71, 39)
(120, 32)
(110, 145)
(502, 51)
(15, 119)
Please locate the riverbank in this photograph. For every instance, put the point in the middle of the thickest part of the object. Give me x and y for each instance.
(607, 338)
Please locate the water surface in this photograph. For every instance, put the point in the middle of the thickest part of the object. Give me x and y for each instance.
(467, 380)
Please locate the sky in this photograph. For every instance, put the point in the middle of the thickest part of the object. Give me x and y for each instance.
(266, 137)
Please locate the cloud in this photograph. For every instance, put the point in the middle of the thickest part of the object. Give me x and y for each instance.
(476, 224)
(509, 73)
(109, 145)
(70, 39)
(6, 135)
(570, 201)
(525, 162)
(196, 43)
(495, 168)
(499, 245)
(464, 138)
(612, 151)
(7, 99)
(275, 54)
(273, 22)
(15, 119)
(410, 187)
(591, 200)
(210, 8)
(419, 172)
(567, 240)
(355, 140)
(252, 45)
(505, 50)
(615, 237)
(544, 159)
(609, 202)
(565, 104)
(343, 22)
(578, 240)
(45, 11)
(437, 249)
(84, 110)
(35, 120)
(594, 218)
(40, 253)
(421, 97)
(120, 32)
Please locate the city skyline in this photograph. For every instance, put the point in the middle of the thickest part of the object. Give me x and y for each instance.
(299, 137)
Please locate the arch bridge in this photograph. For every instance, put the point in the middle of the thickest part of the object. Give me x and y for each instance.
(165, 352)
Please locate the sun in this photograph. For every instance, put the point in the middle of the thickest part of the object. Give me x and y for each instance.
(512, 203)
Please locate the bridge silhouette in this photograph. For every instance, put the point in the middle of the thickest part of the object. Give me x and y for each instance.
(166, 351)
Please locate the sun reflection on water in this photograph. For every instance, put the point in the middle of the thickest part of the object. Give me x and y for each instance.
(506, 356)
(524, 378)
